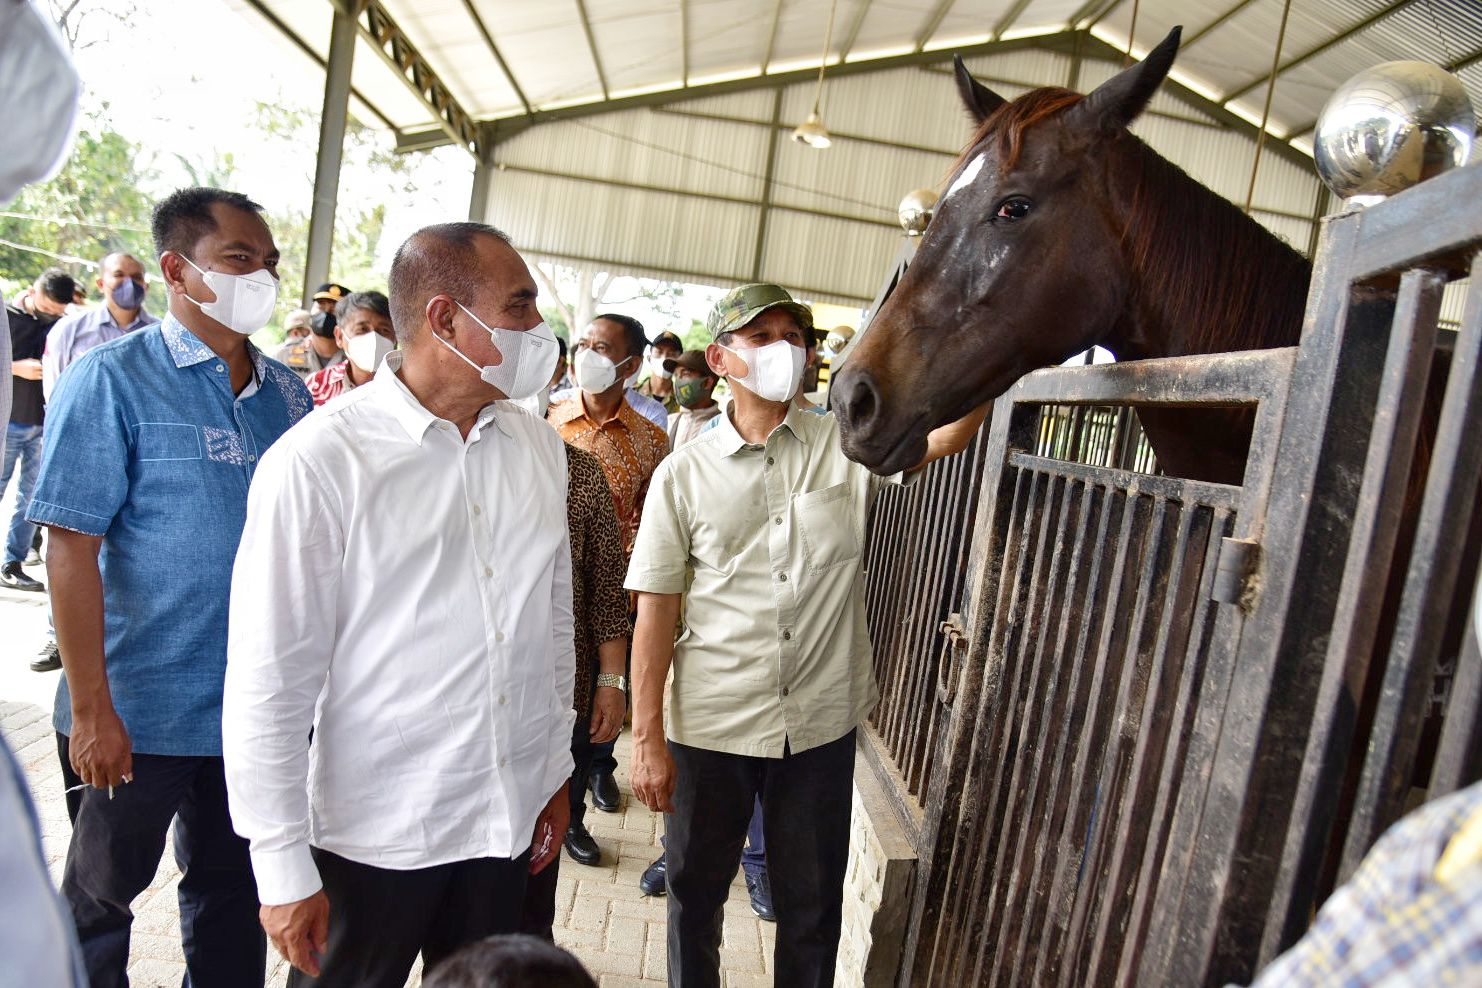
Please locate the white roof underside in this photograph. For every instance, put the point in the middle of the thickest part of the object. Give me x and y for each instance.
(678, 190)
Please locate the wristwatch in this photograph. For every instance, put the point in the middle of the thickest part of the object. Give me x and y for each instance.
(615, 681)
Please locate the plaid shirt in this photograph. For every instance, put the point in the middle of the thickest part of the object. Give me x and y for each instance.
(1395, 922)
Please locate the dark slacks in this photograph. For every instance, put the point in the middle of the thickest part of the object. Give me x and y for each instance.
(115, 851)
(805, 808)
(583, 755)
(380, 919)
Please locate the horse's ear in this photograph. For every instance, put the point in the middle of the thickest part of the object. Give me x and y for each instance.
(1117, 102)
(978, 98)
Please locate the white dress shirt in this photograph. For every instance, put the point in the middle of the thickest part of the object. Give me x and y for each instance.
(407, 594)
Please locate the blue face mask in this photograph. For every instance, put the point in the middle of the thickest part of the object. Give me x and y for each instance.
(128, 295)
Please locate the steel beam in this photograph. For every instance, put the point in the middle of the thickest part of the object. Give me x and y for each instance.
(1007, 20)
(836, 134)
(331, 150)
(1104, 14)
(1184, 44)
(1085, 10)
(764, 215)
(688, 274)
(854, 29)
(772, 36)
(483, 176)
(933, 21)
(509, 75)
(586, 26)
(684, 42)
(389, 41)
(1312, 53)
(276, 22)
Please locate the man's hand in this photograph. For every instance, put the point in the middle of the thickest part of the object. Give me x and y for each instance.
(653, 774)
(609, 704)
(100, 750)
(28, 369)
(550, 829)
(300, 930)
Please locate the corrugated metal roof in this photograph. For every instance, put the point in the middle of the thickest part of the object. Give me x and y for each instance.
(679, 189)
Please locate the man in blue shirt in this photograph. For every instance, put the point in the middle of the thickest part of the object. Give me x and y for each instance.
(155, 437)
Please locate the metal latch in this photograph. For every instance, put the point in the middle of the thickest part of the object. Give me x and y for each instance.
(1235, 577)
(952, 657)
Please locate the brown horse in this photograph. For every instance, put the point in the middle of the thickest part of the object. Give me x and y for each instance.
(1060, 230)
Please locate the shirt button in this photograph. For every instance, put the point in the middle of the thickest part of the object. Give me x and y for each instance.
(770, 461)
(477, 510)
(499, 636)
(782, 577)
(503, 761)
(787, 636)
(488, 571)
(251, 457)
(503, 699)
(777, 521)
(784, 691)
(220, 368)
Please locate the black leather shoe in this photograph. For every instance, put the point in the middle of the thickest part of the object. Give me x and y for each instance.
(760, 888)
(49, 660)
(15, 578)
(605, 793)
(580, 845)
(654, 880)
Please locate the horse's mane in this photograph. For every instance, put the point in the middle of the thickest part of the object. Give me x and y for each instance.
(1211, 274)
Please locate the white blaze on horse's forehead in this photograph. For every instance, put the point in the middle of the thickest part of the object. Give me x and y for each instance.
(966, 177)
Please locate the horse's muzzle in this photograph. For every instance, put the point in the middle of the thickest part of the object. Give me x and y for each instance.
(868, 433)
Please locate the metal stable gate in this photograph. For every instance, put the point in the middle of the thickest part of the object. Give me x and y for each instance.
(1139, 725)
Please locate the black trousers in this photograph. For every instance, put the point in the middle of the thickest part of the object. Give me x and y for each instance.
(805, 810)
(380, 919)
(583, 756)
(115, 851)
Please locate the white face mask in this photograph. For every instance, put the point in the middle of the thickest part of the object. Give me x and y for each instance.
(656, 364)
(367, 350)
(244, 302)
(595, 373)
(774, 370)
(529, 357)
(40, 105)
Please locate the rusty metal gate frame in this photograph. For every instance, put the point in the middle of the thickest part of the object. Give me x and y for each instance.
(1239, 804)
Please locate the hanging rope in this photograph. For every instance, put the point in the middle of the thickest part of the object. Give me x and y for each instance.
(1255, 166)
(1131, 34)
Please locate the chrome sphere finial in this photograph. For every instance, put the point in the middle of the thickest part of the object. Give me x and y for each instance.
(1390, 127)
(915, 211)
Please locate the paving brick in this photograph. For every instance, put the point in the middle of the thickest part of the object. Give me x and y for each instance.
(606, 962)
(626, 934)
(623, 981)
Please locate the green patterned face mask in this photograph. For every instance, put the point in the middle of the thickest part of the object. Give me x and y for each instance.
(690, 392)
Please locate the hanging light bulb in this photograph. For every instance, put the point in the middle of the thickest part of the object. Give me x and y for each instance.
(812, 132)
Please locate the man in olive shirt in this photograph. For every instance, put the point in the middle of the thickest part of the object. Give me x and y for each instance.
(761, 522)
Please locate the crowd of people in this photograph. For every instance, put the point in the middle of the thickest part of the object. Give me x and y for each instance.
(361, 619)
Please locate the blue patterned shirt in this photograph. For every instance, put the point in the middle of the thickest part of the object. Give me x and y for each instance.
(1397, 922)
(148, 448)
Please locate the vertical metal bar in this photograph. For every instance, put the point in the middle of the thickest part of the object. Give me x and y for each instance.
(1376, 525)
(332, 120)
(1459, 754)
(1430, 584)
(483, 179)
(764, 207)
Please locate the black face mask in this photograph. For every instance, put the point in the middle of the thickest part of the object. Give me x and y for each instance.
(322, 324)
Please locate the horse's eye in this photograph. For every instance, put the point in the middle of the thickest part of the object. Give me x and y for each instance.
(1015, 208)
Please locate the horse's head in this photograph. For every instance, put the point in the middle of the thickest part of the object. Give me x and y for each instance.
(1023, 265)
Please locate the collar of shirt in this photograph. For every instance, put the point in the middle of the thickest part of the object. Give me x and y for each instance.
(388, 390)
(731, 441)
(573, 408)
(103, 316)
(187, 350)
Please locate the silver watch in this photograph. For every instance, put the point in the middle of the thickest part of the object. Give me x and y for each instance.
(615, 681)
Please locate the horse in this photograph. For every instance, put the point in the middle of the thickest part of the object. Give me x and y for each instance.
(1060, 230)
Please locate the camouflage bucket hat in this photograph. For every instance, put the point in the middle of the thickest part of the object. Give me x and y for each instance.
(741, 305)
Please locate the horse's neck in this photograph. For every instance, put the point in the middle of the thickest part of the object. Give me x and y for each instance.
(1205, 277)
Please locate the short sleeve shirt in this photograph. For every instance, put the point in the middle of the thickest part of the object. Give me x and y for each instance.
(766, 541)
(148, 448)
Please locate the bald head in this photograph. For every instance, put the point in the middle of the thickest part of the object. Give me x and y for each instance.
(445, 259)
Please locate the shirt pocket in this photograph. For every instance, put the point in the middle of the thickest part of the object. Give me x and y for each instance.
(826, 520)
(160, 441)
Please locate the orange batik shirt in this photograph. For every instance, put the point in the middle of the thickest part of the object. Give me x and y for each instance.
(628, 446)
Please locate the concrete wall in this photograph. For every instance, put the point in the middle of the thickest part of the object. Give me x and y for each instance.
(877, 888)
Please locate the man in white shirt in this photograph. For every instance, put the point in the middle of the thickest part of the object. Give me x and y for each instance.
(403, 590)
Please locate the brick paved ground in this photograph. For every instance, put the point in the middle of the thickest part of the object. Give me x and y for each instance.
(600, 914)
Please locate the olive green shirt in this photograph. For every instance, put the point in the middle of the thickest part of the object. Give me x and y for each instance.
(767, 542)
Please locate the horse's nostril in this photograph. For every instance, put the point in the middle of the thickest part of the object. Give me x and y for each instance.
(862, 402)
